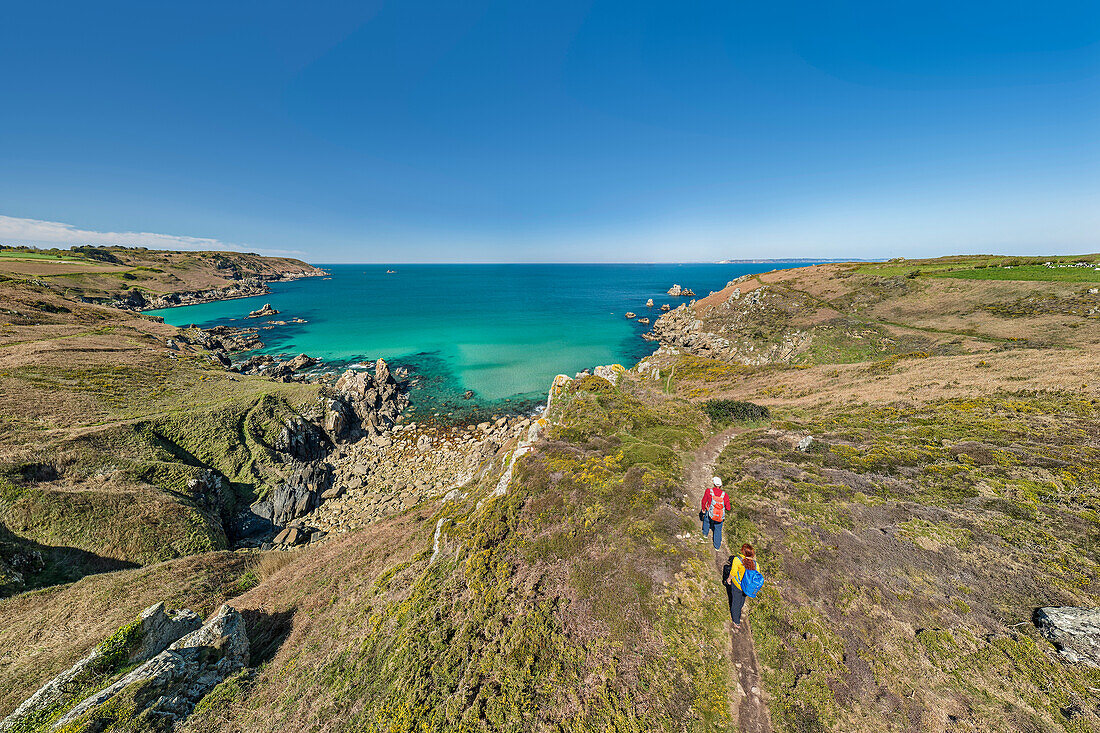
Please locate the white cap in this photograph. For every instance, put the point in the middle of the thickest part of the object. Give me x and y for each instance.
(717, 481)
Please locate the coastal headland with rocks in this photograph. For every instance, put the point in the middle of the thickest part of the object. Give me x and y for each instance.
(200, 538)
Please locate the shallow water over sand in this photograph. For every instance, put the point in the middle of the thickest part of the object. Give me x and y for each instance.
(502, 331)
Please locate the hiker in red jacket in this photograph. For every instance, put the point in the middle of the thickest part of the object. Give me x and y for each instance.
(715, 504)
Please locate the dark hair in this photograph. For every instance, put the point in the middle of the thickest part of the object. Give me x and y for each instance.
(747, 553)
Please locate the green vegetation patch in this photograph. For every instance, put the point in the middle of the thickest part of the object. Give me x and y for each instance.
(726, 412)
(895, 533)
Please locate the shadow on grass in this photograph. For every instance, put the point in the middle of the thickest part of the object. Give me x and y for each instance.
(40, 566)
(266, 633)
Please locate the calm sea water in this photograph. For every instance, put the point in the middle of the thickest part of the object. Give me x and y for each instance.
(502, 331)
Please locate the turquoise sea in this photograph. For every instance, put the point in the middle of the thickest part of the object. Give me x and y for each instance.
(502, 331)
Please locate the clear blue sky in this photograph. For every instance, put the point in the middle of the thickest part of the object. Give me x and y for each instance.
(556, 131)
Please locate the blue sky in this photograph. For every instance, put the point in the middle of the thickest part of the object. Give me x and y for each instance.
(567, 131)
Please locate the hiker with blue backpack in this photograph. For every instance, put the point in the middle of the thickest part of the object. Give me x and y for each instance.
(716, 503)
(742, 581)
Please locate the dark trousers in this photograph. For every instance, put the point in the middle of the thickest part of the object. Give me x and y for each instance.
(737, 602)
(736, 595)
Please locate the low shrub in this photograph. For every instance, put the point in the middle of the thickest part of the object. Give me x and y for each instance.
(722, 412)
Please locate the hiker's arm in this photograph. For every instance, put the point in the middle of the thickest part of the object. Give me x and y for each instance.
(728, 506)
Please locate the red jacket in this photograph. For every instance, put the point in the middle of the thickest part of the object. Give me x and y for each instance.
(714, 491)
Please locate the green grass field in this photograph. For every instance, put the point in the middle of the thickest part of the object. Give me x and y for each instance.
(1029, 272)
(992, 267)
(12, 254)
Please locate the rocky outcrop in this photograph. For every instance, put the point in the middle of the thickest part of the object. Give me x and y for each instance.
(556, 388)
(149, 636)
(302, 441)
(132, 299)
(649, 303)
(364, 405)
(229, 338)
(674, 291)
(301, 493)
(746, 329)
(302, 361)
(610, 372)
(267, 310)
(167, 687)
(1074, 631)
(359, 406)
(246, 288)
(630, 314)
(280, 370)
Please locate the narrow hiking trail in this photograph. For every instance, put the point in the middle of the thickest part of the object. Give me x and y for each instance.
(752, 711)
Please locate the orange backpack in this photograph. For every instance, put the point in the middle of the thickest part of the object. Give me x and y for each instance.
(717, 511)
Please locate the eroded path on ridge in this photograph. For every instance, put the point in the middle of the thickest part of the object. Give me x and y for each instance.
(752, 711)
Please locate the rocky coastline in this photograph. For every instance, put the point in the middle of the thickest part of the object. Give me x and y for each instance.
(249, 287)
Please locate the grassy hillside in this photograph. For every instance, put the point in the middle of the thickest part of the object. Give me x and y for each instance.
(102, 425)
(950, 489)
(103, 274)
(916, 540)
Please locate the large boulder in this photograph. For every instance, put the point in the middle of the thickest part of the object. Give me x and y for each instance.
(302, 361)
(301, 493)
(610, 372)
(301, 440)
(166, 688)
(1075, 631)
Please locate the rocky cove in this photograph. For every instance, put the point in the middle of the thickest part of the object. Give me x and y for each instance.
(355, 459)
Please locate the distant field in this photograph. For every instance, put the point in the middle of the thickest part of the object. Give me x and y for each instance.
(1028, 272)
(17, 255)
(988, 267)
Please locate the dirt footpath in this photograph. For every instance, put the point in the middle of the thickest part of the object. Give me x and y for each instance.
(752, 710)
